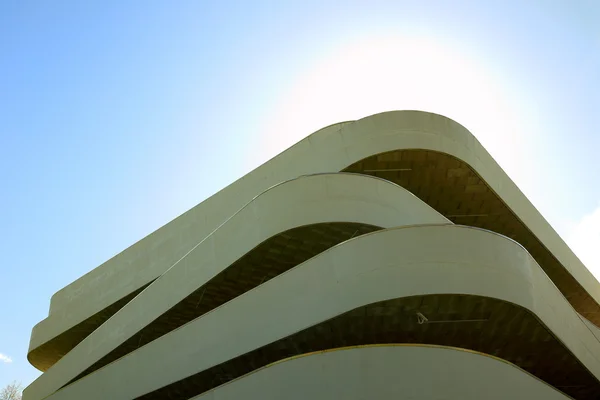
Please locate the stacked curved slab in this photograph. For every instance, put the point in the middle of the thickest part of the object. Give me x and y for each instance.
(299, 257)
(371, 372)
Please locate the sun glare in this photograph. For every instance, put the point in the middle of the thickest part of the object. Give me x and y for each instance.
(393, 73)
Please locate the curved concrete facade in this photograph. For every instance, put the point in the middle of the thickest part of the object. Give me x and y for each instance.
(298, 257)
(315, 199)
(372, 268)
(330, 150)
(387, 372)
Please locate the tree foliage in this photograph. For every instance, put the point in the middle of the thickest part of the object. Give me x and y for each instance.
(11, 391)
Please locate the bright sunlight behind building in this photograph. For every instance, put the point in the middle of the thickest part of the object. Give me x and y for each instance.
(390, 72)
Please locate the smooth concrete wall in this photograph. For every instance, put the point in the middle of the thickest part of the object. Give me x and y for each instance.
(303, 201)
(388, 372)
(329, 150)
(380, 266)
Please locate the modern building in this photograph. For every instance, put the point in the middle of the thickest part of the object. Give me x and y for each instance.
(384, 258)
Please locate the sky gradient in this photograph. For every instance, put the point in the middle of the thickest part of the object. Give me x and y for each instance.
(117, 117)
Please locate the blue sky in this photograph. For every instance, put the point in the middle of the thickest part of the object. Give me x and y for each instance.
(115, 117)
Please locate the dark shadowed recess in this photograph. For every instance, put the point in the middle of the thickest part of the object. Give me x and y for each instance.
(455, 190)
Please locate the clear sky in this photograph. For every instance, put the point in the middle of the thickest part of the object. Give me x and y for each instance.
(115, 117)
